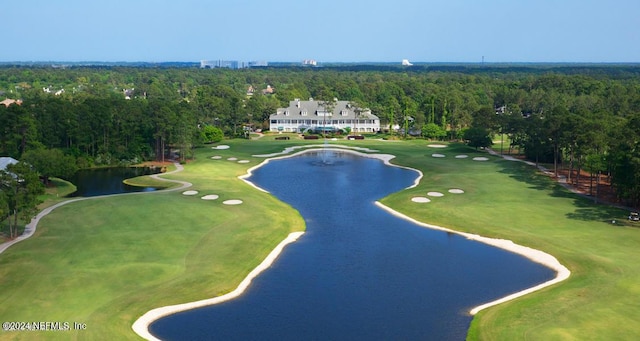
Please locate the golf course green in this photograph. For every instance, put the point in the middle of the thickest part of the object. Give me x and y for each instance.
(102, 263)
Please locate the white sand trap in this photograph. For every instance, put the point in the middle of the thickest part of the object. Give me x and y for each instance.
(420, 200)
(232, 202)
(222, 146)
(480, 158)
(435, 194)
(232, 159)
(456, 191)
(437, 155)
(141, 326)
(462, 156)
(437, 146)
(210, 197)
(243, 161)
(217, 157)
(190, 192)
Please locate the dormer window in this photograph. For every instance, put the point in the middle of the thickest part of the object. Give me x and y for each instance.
(286, 113)
(304, 112)
(344, 112)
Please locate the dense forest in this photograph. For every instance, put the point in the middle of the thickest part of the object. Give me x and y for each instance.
(575, 117)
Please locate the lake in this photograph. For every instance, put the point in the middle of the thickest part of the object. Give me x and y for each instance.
(358, 273)
(103, 181)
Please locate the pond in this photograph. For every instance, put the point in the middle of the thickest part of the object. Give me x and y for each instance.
(103, 181)
(358, 273)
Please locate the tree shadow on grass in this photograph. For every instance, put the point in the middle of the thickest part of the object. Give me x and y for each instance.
(534, 179)
(586, 208)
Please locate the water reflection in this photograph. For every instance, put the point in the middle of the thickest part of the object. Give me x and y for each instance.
(358, 273)
(103, 181)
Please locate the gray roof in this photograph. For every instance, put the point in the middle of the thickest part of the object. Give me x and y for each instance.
(341, 110)
(5, 161)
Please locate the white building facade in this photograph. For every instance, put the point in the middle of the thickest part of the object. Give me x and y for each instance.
(313, 115)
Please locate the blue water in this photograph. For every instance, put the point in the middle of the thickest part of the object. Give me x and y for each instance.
(358, 273)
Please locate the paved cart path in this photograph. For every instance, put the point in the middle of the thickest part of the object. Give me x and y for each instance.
(30, 228)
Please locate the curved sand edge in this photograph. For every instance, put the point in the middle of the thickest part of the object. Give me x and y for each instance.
(289, 150)
(537, 256)
(386, 158)
(141, 326)
(532, 254)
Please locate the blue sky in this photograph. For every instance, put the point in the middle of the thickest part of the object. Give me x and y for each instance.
(325, 30)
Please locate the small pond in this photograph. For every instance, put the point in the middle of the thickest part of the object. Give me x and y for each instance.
(358, 273)
(103, 181)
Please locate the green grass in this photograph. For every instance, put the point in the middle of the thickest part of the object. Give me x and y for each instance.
(56, 191)
(104, 262)
(147, 181)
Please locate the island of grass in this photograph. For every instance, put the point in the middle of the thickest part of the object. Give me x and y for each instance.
(104, 262)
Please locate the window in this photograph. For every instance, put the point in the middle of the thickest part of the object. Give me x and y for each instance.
(304, 112)
(286, 113)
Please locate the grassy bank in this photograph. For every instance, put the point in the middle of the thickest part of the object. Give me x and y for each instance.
(506, 199)
(125, 255)
(104, 262)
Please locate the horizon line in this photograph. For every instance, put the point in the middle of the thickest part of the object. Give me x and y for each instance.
(399, 63)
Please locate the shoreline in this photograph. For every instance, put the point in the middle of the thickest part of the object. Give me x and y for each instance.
(141, 325)
(534, 255)
(30, 228)
(386, 158)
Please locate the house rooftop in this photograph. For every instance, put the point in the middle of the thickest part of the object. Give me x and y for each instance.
(5, 161)
(7, 102)
(312, 108)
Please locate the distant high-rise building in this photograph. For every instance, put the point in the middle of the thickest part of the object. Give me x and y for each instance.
(230, 64)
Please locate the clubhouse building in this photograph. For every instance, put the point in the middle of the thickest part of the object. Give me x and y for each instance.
(302, 116)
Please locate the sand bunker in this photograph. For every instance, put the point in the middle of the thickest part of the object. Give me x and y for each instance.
(217, 157)
(435, 194)
(232, 202)
(190, 192)
(243, 161)
(480, 158)
(210, 197)
(462, 156)
(292, 149)
(232, 159)
(437, 146)
(456, 191)
(222, 146)
(420, 200)
(437, 155)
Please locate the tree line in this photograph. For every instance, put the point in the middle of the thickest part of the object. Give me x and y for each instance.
(583, 118)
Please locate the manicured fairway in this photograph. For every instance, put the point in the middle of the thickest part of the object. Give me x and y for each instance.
(105, 262)
(506, 199)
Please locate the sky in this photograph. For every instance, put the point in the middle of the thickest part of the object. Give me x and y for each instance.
(589, 31)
